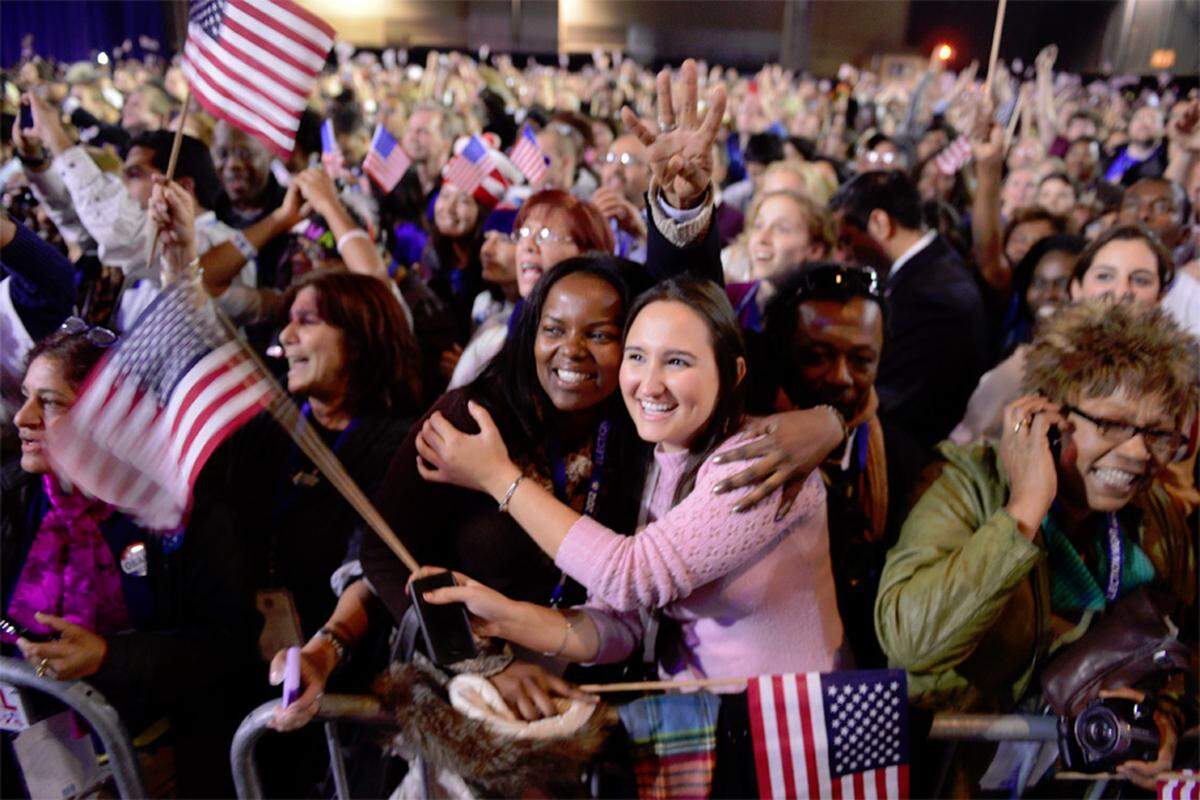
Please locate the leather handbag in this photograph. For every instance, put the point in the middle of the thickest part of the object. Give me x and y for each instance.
(1132, 640)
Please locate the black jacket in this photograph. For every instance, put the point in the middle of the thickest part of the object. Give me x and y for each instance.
(936, 343)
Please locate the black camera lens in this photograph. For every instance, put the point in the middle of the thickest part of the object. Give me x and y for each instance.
(1099, 732)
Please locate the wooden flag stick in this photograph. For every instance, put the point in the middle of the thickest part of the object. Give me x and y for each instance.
(987, 86)
(187, 101)
(1013, 121)
(653, 686)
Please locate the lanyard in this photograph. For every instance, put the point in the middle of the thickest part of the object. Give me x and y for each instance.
(1116, 557)
(558, 474)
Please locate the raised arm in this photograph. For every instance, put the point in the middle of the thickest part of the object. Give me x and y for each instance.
(986, 225)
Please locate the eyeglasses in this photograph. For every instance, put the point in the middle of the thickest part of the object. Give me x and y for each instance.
(1159, 207)
(101, 337)
(1163, 445)
(624, 159)
(540, 237)
(838, 279)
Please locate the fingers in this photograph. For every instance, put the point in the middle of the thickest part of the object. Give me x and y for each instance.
(638, 128)
(714, 115)
(754, 474)
(427, 453)
(481, 417)
(449, 594)
(666, 112)
(526, 708)
(688, 77)
(57, 623)
(761, 492)
(745, 452)
(275, 671)
(541, 699)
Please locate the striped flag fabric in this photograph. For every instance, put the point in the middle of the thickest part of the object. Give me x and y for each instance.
(156, 407)
(386, 161)
(253, 64)
(473, 171)
(1185, 786)
(331, 155)
(954, 156)
(529, 157)
(837, 734)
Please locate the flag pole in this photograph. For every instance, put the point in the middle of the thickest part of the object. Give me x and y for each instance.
(187, 102)
(987, 86)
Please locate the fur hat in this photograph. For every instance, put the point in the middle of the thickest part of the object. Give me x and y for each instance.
(500, 765)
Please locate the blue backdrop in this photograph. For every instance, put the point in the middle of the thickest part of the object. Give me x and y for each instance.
(70, 30)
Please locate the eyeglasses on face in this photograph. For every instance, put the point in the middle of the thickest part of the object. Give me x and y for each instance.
(624, 159)
(539, 236)
(1163, 445)
(101, 337)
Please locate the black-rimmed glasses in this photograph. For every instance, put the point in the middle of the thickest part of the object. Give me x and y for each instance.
(101, 337)
(1163, 445)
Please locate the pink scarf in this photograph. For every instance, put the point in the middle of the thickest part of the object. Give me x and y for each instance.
(70, 571)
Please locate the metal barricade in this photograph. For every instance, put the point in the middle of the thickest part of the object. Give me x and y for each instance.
(334, 708)
(91, 705)
(366, 710)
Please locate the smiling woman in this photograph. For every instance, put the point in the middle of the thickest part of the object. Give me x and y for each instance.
(1016, 544)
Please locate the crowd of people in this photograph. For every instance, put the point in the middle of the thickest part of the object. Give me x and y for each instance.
(762, 374)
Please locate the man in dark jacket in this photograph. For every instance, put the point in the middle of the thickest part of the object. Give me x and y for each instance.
(937, 342)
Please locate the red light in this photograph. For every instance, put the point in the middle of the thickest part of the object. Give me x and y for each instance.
(945, 52)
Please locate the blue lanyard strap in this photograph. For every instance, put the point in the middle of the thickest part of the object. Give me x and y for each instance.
(558, 474)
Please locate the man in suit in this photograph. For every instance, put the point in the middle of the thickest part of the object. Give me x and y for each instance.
(937, 343)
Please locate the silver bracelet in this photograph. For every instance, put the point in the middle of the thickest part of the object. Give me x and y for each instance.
(355, 233)
(503, 507)
(566, 635)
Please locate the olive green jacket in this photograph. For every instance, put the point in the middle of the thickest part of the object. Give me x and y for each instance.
(964, 599)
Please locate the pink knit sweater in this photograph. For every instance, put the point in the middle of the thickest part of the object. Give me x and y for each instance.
(752, 593)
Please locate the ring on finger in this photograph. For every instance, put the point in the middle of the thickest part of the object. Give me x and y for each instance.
(1020, 424)
(42, 667)
(666, 127)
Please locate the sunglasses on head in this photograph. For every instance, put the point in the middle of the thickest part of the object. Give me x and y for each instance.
(839, 279)
(101, 337)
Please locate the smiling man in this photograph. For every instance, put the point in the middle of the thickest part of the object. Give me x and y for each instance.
(826, 328)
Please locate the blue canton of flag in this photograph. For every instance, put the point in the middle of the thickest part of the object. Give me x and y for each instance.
(207, 14)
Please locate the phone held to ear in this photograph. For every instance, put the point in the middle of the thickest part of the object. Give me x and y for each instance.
(1054, 435)
(447, 631)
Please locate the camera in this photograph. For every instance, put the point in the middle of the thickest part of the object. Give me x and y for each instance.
(1106, 733)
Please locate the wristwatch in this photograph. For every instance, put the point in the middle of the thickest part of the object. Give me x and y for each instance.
(338, 644)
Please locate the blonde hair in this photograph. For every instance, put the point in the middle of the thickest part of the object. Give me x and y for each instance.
(817, 183)
(816, 217)
(1096, 348)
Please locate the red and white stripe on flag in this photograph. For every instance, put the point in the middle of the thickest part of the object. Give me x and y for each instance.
(466, 174)
(528, 157)
(156, 407)
(790, 731)
(1186, 787)
(954, 156)
(253, 64)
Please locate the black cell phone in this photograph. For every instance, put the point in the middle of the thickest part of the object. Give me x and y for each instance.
(11, 631)
(446, 629)
(1055, 437)
(26, 116)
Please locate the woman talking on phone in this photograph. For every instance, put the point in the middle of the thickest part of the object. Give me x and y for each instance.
(1012, 549)
(745, 594)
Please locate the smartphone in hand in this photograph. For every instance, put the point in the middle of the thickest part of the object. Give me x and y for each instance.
(11, 631)
(447, 631)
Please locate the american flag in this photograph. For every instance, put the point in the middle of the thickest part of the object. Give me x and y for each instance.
(331, 154)
(836, 734)
(954, 156)
(157, 406)
(253, 64)
(529, 157)
(386, 162)
(473, 171)
(1185, 786)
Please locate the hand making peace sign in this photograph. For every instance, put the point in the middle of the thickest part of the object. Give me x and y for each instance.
(681, 150)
